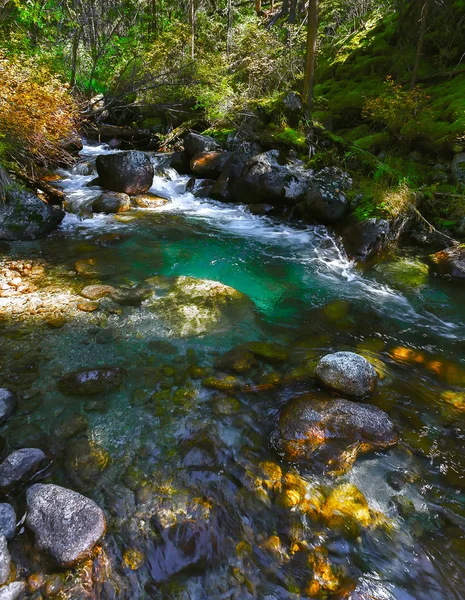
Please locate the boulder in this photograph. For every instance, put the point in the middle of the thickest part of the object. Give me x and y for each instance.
(191, 306)
(348, 373)
(195, 143)
(270, 178)
(89, 382)
(24, 216)
(128, 172)
(209, 164)
(200, 188)
(13, 591)
(8, 402)
(364, 239)
(20, 466)
(328, 434)
(326, 201)
(65, 524)
(458, 168)
(223, 189)
(95, 292)
(450, 262)
(111, 202)
(7, 521)
(293, 108)
(181, 162)
(149, 201)
(5, 560)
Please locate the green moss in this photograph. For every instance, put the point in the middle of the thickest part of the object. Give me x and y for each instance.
(374, 142)
(293, 138)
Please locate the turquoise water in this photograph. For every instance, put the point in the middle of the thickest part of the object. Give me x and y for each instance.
(176, 465)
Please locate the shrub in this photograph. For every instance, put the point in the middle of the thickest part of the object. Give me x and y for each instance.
(37, 113)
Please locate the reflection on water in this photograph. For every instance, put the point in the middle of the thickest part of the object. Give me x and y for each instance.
(199, 505)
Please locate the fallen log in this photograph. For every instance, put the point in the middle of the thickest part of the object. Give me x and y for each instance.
(122, 138)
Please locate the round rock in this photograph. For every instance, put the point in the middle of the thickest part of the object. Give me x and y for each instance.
(128, 172)
(111, 203)
(14, 591)
(7, 521)
(20, 466)
(66, 524)
(5, 560)
(89, 382)
(348, 373)
(329, 434)
(8, 403)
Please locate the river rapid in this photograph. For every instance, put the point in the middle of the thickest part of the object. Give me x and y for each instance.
(199, 504)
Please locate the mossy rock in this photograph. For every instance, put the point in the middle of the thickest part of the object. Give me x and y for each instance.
(374, 142)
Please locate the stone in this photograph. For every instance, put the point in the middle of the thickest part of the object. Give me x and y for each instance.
(13, 591)
(8, 402)
(111, 203)
(327, 435)
(326, 201)
(7, 521)
(20, 466)
(364, 239)
(128, 172)
(238, 360)
(5, 560)
(88, 306)
(149, 201)
(84, 168)
(89, 382)
(449, 262)
(95, 292)
(209, 164)
(268, 352)
(458, 168)
(65, 524)
(348, 373)
(195, 144)
(180, 161)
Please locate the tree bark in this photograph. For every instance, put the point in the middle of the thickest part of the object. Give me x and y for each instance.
(229, 32)
(312, 36)
(258, 7)
(192, 24)
(421, 41)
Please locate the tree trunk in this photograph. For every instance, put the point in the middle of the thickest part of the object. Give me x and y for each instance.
(258, 7)
(192, 24)
(312, 35)
(292, 12)
(421, 41)
(229, 32)
(74, 57)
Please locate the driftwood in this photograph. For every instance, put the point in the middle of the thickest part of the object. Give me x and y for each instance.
(122, 137)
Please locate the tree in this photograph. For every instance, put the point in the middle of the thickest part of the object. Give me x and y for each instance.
(312, 37)
(420, 44)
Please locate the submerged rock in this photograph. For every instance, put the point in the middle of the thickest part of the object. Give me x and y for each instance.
(348, 373)
(268, 352)
(8, 402)
(20, 466)
(85, 462)
(65, 523)
(128, 172)
(328, 435)
(450, 262)
(237, 360)
(191, 306)
(89, 382)
(7, 521)
(111, 203)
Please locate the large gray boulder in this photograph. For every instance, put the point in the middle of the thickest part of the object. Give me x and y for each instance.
(270, 178)
(7, 521)
(23, 215)
(326, 201)
(128, 172)
(195, 144)
(65, 524)
(8, 402)
(327, 435)
(20, 466)
(364, 239)
(348, 373)
(449, 262)
(5, 560)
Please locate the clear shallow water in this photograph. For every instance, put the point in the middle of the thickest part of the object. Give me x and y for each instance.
(177, 467)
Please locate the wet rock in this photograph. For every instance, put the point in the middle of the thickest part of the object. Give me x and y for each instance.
(24, 216)
(326, 201)
(8, 402)
(95, 292)
(85, 462)
(209, 164)
(53, 586)
(226, 406)
(71, 427)
(89, 382)
(20, 466)
(84, 168)
(449, 262)
(111, 203)
(238, 360)
(88, 306)
(269, 178)
(35, 582)
(128, 172)
(348, 373)
(13, 591)
(191, 306)
(195, 144)
(227, 384)
(65, 524)
(364, 239)
(328, 435)
(224, 188)
(458, 168)
(5, 560)
(149, 201)
(7, 521)
(106, 336)
(268, 352)
(181, 162)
